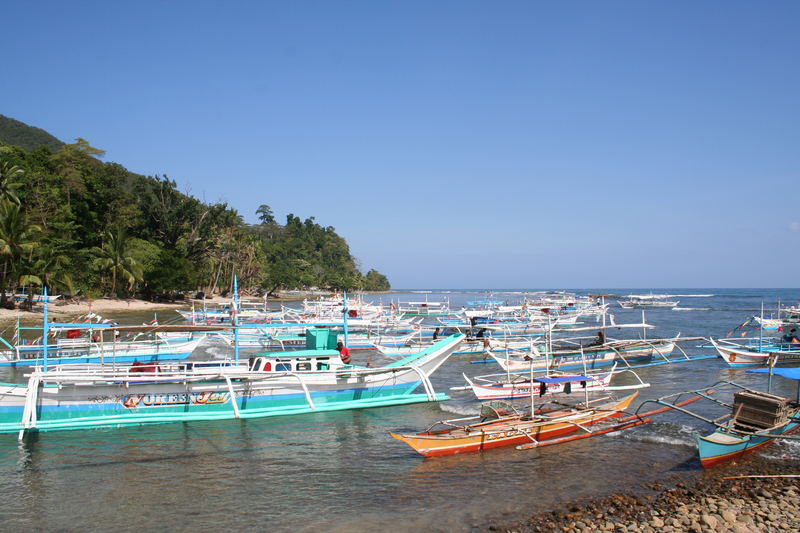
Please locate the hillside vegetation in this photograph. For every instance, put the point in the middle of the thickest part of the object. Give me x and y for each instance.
(27, 137)
(75, 223)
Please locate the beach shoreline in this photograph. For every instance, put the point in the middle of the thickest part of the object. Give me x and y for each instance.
(711, 502)
(75, 307)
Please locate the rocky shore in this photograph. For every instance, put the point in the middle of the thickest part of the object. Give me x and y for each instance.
(711, 503)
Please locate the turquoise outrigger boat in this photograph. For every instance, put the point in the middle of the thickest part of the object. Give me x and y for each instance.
(269, 384)
(755, 419)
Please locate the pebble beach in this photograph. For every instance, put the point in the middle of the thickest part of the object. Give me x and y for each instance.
(720, 500)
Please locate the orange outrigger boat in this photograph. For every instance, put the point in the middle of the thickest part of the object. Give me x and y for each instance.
(498, 425)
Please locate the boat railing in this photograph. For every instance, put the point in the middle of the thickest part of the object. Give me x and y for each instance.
(161, 372)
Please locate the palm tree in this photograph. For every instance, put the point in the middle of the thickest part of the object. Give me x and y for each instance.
(18, 238)
(113, 257)
(8, 186)
(21, 277)
(51, 268)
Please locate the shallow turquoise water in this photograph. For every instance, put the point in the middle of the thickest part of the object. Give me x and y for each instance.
(341, 471)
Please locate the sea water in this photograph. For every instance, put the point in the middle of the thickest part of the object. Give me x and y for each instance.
(341, 471)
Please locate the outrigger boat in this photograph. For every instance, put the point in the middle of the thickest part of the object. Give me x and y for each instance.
(88, 343)
(271, 338)
(755, 419)
(513, 386)
(499, 425)
(563, 357)
(757, 350)
(270, 384)
(426, 308)
(648, 301)
(471, 345)
(751, 352)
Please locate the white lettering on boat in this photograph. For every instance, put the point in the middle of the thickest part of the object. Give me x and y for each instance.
(133, 401)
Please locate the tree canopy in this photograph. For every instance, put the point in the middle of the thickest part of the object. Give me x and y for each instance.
(74, 222)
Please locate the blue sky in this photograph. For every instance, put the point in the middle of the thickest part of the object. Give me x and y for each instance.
(453, 144)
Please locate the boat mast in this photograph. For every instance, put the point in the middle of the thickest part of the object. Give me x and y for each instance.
(533, 411)
(604, 309)
(45, 328)
(234, 319)
(644, 329)
(345, 312)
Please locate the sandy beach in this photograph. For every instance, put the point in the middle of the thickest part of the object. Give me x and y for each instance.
(69, 308)
(80, 306)
(76, 307)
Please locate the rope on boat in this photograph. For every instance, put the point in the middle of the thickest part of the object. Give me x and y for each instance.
(763, 476)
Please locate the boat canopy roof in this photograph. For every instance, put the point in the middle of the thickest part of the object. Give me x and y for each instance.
(294, 354)
(790, 373)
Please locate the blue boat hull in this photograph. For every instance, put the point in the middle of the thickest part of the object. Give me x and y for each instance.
(723, 446)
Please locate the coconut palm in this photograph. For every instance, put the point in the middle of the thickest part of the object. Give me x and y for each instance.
(8, 184)
(51, 269)
(21, 276)
(18, 238)
(113, 257)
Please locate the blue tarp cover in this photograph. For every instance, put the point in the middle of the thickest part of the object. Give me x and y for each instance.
(562, 379)
(791, 373)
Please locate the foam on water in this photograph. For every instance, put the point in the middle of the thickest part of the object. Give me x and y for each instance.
(782, 449)
(459, 409)
(663, 434)
(215, 351)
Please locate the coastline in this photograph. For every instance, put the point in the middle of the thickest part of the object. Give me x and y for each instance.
(77, 307)
(61, 309)
(712, 502)
(80, 306)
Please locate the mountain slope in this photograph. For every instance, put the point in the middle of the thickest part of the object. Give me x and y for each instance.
(20, 134)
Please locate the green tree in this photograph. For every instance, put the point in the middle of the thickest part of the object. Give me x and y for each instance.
(172, 242)
(375, 281)
(52, 269)
(113, 257)
(265, 215)
(9, 174)
(18, 238)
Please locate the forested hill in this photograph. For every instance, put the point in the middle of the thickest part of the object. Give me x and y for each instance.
(75, 223)
(28, 137)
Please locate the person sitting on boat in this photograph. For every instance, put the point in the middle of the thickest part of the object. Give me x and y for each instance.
(791, 337)
(601, 339)
(344, 352)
